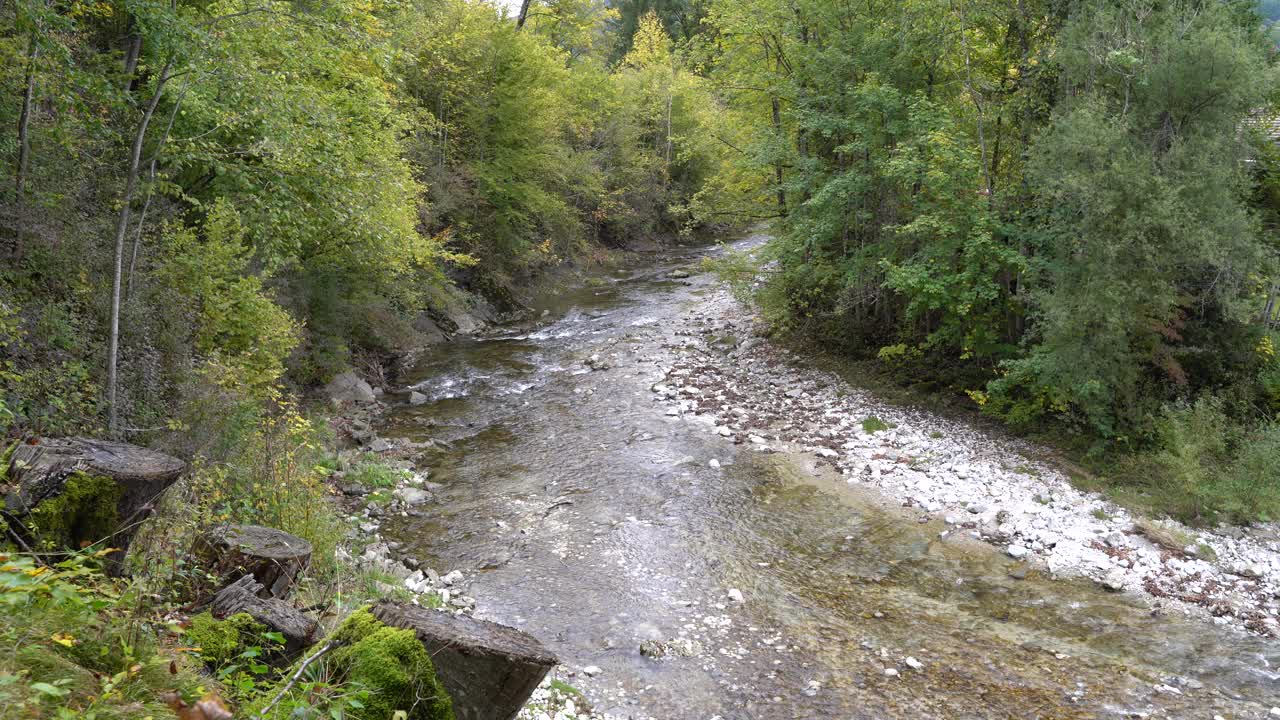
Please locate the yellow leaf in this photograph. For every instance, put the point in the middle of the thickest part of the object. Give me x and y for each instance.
(64, 639)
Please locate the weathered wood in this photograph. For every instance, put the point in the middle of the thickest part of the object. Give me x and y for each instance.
(39, 471)
(241, 596)
(489, 670)
(273, 557)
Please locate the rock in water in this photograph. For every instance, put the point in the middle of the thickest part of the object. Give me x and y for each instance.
(273, 557)
(489, 670)
(347, 387)
(80, 491)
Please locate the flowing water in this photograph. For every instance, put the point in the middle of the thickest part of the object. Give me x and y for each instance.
(582, 513)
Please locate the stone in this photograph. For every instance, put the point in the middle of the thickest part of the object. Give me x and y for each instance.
(1113, 581)
(417, 398)
(379, 445)
(1017, 552)
(891, 672)
(413, 495)
(914, 664)
(592, 670)
(736, 595)
(652, 649)
(452, 577)
(347, 387)
(1252, 571)
(714, 463)
(685, 647)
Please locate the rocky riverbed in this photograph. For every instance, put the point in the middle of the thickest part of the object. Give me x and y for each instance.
(702, 526)
(977, 483)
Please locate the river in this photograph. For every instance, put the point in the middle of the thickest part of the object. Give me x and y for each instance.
(581, 511)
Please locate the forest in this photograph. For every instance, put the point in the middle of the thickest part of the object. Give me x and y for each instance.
(1059, 215)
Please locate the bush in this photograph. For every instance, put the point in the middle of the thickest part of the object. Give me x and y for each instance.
(1207, 467)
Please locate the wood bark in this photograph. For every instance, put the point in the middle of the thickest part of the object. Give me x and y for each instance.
(24, 145)
(524, 14)
(39, 470)
(122, 227)
(489, 670)
(242, 596)
(273, 557)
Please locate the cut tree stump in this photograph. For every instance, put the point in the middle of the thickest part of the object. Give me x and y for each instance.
(489, 670)
(273, 557)
(241, 596)
(65, 476)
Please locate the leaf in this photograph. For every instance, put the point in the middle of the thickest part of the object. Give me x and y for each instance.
(64, 639)
(50, 690)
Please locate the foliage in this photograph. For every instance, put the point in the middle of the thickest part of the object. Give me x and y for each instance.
(1205, 467)
(74, 647)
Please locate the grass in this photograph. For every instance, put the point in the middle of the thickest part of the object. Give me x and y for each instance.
(872, 424)
(371, 472)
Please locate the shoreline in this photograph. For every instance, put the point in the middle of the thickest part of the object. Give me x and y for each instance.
(998, 490)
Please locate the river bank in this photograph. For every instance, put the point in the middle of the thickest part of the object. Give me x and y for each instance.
(966, 481)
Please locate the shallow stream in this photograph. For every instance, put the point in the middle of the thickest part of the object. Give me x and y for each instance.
(581, 512)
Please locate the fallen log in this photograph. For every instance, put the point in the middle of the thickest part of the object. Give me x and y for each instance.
(72, 493)
(489, 670)
(273, 557)
(242, 596)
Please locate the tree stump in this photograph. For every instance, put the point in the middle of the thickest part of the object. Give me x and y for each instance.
(241, 596)
(489, 670)
(273, 557)
(76, 492)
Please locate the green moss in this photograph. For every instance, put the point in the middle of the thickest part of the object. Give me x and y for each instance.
(393, 666)
(221, 641)
(86, 512)
(5, 458)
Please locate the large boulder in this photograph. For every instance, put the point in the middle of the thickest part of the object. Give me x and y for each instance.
(347, 387)
(71, 493)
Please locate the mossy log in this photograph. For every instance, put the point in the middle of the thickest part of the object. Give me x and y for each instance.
(489, 670)
(75, 492)
(273, 557)
(241, 596)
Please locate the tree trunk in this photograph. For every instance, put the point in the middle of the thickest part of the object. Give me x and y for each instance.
(666, 158)
(242, 596)
(524, 14)
(132, 50)
(39, 471)
(273, 557)
(146, 205)
(489, 670)
(777, 164)
(122, 227)
(24, 145)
